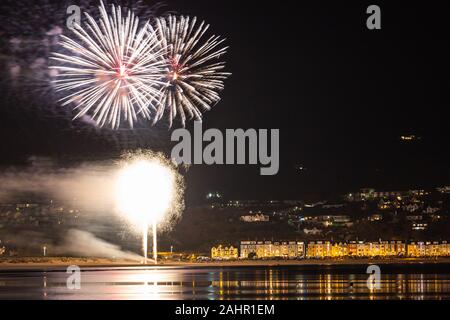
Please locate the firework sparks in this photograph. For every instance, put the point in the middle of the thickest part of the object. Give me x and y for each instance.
(149, 191)
(26, 47)
(194, 76)
(114, 72)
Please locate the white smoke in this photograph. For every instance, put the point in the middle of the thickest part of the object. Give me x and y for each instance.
(88, 185)
(75, 242)
(85, 244)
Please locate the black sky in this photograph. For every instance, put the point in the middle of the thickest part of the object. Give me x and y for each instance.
(340, 94)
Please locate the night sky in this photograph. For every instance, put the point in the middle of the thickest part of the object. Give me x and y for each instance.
(341, 95)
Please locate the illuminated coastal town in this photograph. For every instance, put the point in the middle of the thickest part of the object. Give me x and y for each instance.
(364, 224)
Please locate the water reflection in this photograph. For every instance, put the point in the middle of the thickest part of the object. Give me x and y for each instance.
(225, 283)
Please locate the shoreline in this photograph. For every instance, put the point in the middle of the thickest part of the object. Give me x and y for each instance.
(315, 262)
(57, 263)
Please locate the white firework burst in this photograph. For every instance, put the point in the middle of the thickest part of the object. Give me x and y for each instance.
(114, 71)
(194, 75)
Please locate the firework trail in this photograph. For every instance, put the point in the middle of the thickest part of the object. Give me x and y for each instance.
(114, 71)
(194, 75)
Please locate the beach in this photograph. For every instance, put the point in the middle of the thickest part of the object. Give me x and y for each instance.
(42, 262)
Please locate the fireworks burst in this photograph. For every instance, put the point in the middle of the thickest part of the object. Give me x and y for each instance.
(193, 74)
(114, 72)
(26, 47)
(117, 71)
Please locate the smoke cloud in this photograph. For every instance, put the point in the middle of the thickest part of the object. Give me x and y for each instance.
(82, 243)
(75, 243)
(88, 185)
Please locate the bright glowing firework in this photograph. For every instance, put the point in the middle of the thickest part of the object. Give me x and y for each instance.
(194, 75)
(148, 189)
(114, 72)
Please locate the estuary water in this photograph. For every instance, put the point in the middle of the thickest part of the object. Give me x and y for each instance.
(428, 281)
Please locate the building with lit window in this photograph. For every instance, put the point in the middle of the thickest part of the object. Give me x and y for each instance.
(272, 249)
(255, 218)
(396, 248)
(248, 248)
(319, 249)
(432, 249)
(416, 249)
(339, 250)
(428, 249)
(224, 253)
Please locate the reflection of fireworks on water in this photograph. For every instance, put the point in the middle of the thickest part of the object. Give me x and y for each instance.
(193, 72)
(149, 192)
(113, 72)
